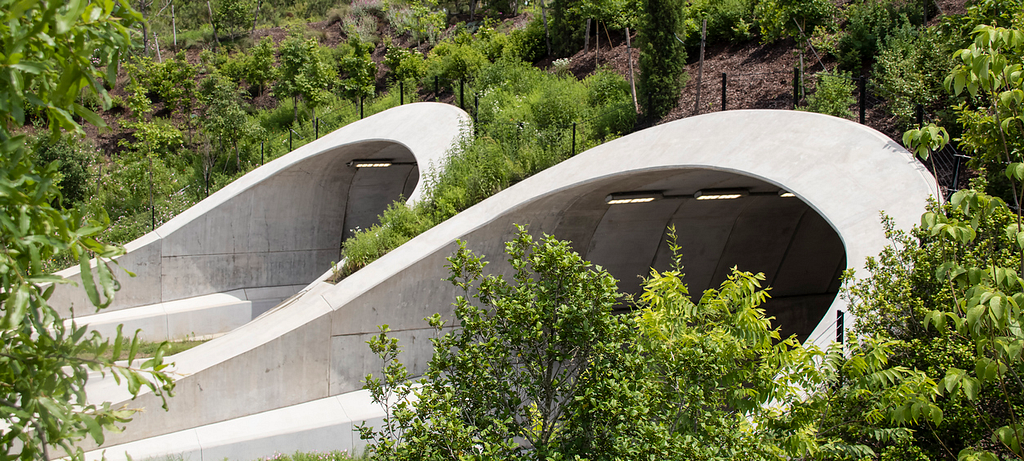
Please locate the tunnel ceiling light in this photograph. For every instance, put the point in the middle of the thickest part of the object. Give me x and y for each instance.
(720, 194)
(621, 198)
(373, 163)
(786, 194)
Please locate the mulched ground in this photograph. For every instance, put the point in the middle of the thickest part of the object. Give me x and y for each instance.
(759, 76)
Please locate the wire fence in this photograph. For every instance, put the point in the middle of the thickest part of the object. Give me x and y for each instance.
(792, 89)
(786, 90)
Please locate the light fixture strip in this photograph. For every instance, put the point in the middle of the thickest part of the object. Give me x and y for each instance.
(719, 197)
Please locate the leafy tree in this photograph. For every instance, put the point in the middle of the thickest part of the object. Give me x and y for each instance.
(233, 16)
(518, 362)
(259, 67)
(304, 72)
(224, 116)
(45, 362)
(791, 18)
(989, 70)
(541, 359)
(405, 64)
(907, 287)
(662, 57)
(358, 66)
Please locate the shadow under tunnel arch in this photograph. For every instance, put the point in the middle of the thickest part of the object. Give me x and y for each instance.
(800, 254)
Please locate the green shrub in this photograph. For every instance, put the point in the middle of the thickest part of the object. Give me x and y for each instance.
(786, 18)
(610, 94)
(869, 22)
(728, 20)
(526, 44)
(405, 64)
(397, 225)
(75, 158)
(909, 71)
(452, 61)
(833, 95)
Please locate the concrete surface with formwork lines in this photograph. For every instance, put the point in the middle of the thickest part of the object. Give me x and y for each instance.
(265, 236)
(312, 348)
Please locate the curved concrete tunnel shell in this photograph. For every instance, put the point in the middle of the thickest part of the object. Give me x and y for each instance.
(844, 175)
(283, 223)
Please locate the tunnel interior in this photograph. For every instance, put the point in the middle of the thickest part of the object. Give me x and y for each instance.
(799, 252)
(387, 174)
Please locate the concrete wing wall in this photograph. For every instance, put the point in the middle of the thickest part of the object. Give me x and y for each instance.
(283, 223)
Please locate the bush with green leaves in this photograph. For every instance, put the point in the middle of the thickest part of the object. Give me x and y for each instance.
(536, 367)
(526, 44)
(568, 20)
(792, 18)
(909, 70)
(833, 95)
(922, 293)
(728, 20)
(869, 23)
(45, 363)
(405, 64)
(233, 17)
(358, 68)
(455, 59)
(75, 159)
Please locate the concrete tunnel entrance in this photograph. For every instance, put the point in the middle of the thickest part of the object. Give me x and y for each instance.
(760, 230)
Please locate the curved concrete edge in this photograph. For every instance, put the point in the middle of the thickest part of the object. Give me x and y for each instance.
(311, 348)
(427, 130)
(323, 425)
(870, 175)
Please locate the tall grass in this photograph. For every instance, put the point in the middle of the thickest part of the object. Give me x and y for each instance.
(526, 119)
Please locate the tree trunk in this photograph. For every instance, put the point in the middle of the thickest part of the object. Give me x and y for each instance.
(256, 17)
(174, 29)
(544, 16)
(586, 38)
(209, 8)
(145, 28)
(156, 45)
(472, 9)
(632, 83)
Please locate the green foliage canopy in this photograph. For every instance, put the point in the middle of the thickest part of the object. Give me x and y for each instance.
(48, 50)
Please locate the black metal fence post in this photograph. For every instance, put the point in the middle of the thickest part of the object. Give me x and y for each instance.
(152, 205)
(573, 138)
(920, 115)
(724, 78)
(360, 107)
(401, 92)
(462, 99)
(476, 112)
(316, 129)
(796, 86)
(863, 97)
(289, 139)
(839, 327)
(261, 152)
(437, 88)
